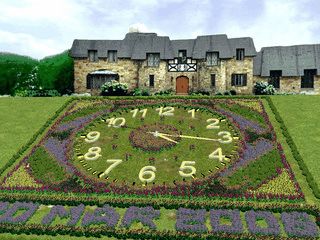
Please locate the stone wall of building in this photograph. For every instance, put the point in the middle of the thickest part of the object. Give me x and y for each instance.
(292, 84)
(234, 66)
(126, 69)
(136, 74)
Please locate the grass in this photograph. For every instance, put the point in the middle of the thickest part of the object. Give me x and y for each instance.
(166, 164)
(301, 115)
(45, 167)
(310, 198)
(20, 119)
(264, 167)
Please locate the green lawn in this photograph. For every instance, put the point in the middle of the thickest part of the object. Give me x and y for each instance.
(301, 115)
(20, 118)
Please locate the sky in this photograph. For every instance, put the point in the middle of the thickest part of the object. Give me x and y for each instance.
(40, 28)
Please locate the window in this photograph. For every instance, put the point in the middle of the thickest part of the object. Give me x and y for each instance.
(240, 54)
(307, 80)
(93, 55)
(151, 81)
(239, 80)
(182, 56)
(112, 56)
(213, 80)
(212, 58)
(95, 81)
(274, 78)
(153, 59)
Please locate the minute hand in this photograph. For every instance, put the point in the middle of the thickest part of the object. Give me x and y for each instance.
(191, 137)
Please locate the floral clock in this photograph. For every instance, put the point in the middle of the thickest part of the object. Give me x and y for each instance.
(152, 144)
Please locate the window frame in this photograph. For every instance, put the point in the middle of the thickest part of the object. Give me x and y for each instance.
(307, 80)
(151, 80)
(114, 54)
(152, 60)
(183, 58)
(240, 52)
(239, 79)
(212, 80)
(209, 58)
(274, 78)
(95, 55)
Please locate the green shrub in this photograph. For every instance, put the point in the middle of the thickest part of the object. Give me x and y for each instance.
(45, 168)
(114, 88)
(263, 88)
(140, 92)
(167, 92)
(36, 93)
(200, 93)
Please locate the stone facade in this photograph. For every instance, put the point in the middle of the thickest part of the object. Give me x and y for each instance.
(136, 74)
(292, 84)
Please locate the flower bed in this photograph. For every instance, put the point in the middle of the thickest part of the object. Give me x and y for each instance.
(247, 191)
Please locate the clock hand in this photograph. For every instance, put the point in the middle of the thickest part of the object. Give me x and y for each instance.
(166, 138)
(191, 137)
(157, 134)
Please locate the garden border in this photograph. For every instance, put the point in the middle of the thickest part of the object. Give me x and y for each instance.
(295, 152)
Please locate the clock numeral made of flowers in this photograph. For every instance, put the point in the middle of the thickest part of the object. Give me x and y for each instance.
(135, 112)
(165, 111)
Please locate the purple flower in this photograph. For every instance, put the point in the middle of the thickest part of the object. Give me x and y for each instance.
(30, 208)
(191, 220)
(3, 207)
(55, 211)
(243, 122)
(145, 215)
(299, 224)
(251, 152)
(233, 215)
(273, 227)
(75, 213)
(105, 215)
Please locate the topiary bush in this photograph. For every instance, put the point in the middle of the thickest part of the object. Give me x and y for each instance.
(263, 88)
(114, 88)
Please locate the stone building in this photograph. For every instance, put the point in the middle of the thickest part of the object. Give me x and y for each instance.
(212, 63)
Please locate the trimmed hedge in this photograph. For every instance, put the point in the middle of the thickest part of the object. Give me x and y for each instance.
(296, 154)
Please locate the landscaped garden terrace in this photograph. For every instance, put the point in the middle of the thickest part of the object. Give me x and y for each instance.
(160, 168)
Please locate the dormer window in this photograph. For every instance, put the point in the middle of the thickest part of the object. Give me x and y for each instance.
(93, 55)
(240, 54)
(212, 58)
(112, 56)
(182, 56)
(153, 59)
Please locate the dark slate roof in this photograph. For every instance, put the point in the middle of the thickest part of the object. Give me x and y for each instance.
(136, 45)
(292, 60)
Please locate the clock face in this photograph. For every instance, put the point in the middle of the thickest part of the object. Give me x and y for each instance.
(155, 145)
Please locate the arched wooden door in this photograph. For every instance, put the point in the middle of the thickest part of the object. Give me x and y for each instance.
(182, 85)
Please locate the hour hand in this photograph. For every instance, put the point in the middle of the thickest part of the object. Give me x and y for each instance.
(161, 135)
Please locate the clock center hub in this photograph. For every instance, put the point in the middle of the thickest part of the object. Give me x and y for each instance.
(149, 137)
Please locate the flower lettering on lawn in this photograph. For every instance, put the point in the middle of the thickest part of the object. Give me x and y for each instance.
(299, 224)
(234, 217)
(273, 227)
(105, 215)
(8, 217)
(191, 220)
(145, 215)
